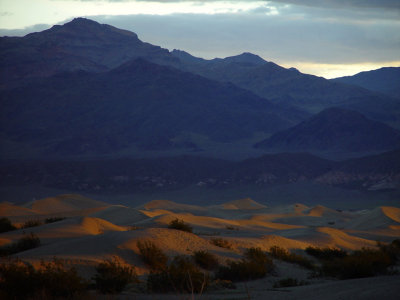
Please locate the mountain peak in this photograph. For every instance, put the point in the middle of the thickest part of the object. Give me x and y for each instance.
(246, 57)
(89, 28)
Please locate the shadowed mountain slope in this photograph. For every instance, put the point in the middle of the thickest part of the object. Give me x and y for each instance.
(335, 129)
(138, 103)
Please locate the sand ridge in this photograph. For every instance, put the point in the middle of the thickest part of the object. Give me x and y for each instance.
(95, 230)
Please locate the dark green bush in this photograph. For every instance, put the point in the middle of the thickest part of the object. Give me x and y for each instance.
(19, 280)
(288, 282)
(31, 223)
(5, 225)
(181, 276)
(206, 260)
(112, 277)
(326, 253)
(359, 264)
(25, 243)
(152, 256)
(255, 264)
(219, 242)
(285, 255)
(180, 225)
(52, 220)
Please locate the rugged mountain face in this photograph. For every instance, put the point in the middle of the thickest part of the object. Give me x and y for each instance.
(81, 44)
(291, 87)
(138, 103)
(383, 80)
(335, 130)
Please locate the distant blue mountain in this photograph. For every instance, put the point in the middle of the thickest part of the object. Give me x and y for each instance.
(383, 80)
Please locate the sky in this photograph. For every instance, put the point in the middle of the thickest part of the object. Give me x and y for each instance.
(328, 38)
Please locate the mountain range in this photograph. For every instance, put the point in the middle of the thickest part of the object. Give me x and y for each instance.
(85, 88)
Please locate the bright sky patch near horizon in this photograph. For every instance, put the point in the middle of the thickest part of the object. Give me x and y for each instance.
(328, 38)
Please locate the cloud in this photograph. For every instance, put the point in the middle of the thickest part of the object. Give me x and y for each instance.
(24, 31)
(274, 37)
(388, 4)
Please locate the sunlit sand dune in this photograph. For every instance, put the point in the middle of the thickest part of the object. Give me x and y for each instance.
(92, 231)
(63, 203)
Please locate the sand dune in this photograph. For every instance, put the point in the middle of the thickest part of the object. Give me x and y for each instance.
(171, 206)
(120, 215)
(11, 210)
(94, 230)
(242, 204)
(63, 203)
(378, 218)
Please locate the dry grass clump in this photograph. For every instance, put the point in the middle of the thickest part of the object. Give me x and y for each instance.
(206, 260)
(27, 242)
(53, 220)
(112, 277)
(289, 282)
(220, 242)
(180, 225)
(19, 280)
(152, 255)
(255, 264)
(326, 253)
(180, 276)
(6, 225)
(283, 254)
(31, 223)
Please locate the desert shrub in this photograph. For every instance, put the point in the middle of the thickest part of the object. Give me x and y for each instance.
(152, 255)
(112, 277)
(27, 242)
(181, 276)
(326, 253)
(205, 260)
(220, 242)
(288, 282)
(5, 225)
(285, 255)
(58, 281)
(255, 264)
(31, 223)
(220, 284)
(392, 250)
(230, 227)
(180, 225)
(19, 280)
(359, 264)
(53, 220)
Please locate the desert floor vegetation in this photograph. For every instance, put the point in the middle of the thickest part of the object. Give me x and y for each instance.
(290, 257)
(27, 242)
(180, 225)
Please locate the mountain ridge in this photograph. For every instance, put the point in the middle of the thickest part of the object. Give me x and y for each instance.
(335, 129)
